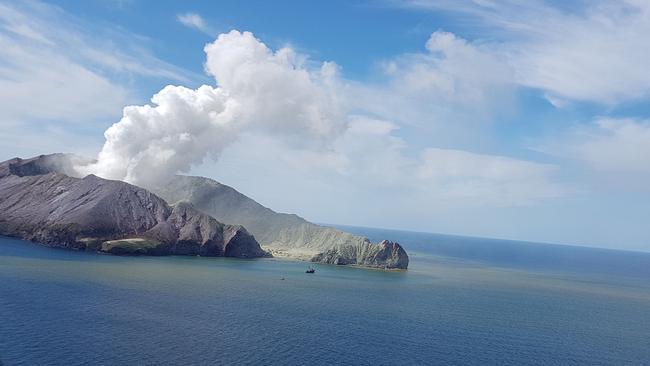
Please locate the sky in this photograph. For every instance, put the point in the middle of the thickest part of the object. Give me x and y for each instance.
(526, 120)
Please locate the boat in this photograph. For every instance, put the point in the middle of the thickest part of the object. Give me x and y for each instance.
(310, 270)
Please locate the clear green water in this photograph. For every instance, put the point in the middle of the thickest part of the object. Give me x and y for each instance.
(466, 306)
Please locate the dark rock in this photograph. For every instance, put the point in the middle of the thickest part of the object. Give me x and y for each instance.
(39, 203)
(282, 234)
(385, 255)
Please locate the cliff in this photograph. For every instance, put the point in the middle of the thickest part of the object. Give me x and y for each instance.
(385, 254)
(282, 234)
(40, 203)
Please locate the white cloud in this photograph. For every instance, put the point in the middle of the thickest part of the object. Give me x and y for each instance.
(316, 138)
(102, 50)
(258, 90)
(377, 161)
(605, 156)
(497, 180)
(597, 52)
(38, 80)
(613, 146)
(60, 74)
(194, 20)
(597, 57)
(370, 176)
(36, 83)
(278, 90)
(453, 80)
(298, 116)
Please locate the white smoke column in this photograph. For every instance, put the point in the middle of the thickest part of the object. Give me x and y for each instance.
(257, 90)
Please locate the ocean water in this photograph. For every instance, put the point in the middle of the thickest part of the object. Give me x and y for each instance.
(463, 301)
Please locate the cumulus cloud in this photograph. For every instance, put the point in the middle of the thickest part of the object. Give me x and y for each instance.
(277, 90)
(305, 107)
(257, 90)
(375, 178)
(193, 20)
(614, 147)
(451, 80)
(452, 70)
(604, 155)
(596, 53)
(375, 155)
(299, 116)
(467, 70)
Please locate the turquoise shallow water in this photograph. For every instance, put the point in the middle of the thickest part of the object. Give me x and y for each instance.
(463, 301)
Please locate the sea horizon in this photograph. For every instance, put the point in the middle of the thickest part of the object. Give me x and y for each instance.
(344, 227)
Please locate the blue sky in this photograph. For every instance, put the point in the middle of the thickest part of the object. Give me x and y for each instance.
(514, 119)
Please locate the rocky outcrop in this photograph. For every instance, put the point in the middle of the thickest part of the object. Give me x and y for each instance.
(384, 255)
(187, 226)
(43, 164)
(282, 234)
(40, 203)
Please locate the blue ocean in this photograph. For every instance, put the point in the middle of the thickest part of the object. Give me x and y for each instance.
(463, 301)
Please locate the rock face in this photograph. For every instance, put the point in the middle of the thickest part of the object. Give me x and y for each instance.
(282, 234)
(386, 254)
(40, 203)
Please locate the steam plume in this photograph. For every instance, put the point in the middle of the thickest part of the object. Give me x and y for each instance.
(256, 90)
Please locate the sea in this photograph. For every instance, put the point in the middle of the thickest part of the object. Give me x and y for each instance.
(463, 301)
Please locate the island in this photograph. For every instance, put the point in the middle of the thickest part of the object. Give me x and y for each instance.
(43, 200)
